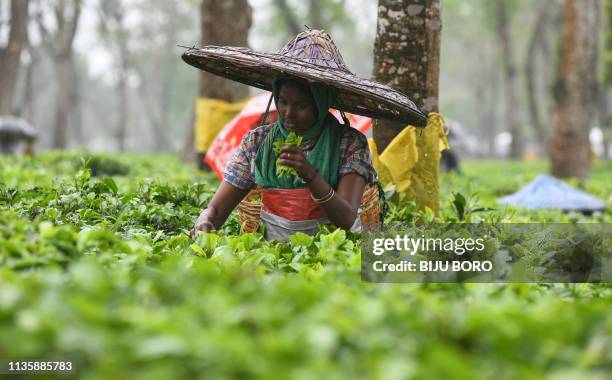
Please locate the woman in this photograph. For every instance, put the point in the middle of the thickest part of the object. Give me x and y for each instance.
(332, 166)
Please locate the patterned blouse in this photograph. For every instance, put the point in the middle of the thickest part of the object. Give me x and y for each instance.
(354, 157)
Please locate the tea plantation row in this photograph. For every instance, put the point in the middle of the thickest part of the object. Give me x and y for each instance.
(96, 267)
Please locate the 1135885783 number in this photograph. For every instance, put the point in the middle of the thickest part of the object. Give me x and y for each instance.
(32, 366)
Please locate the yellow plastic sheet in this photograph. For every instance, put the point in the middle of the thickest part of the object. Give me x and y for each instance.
(410, 163)
(442, 139)
(400, 157)
(211, 115)
(383, 173)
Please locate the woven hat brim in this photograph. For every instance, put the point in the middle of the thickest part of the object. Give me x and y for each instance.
(356, 95)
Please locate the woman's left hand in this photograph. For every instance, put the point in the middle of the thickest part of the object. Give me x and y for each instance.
(293, 156)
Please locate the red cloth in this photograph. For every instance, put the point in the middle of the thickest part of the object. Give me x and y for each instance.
(291, 204)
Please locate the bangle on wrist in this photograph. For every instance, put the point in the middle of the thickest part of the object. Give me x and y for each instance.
(326, 197)
(331, 195)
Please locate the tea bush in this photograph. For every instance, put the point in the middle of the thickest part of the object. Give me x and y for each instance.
(101, 270)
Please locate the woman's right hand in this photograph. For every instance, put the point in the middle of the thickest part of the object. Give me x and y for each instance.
(219, 208)
(203, 223)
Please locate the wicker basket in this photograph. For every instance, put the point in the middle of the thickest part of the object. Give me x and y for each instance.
(370, 208)
(250, 206)
(248, 211)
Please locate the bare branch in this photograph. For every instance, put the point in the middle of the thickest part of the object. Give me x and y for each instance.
(74, 23)
(45, 35)
(59, 10)
(66, 17)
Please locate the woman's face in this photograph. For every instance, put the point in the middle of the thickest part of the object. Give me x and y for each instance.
(297, 107)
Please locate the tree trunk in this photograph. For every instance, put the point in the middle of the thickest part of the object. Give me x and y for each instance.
(605, 118)
(31, 89)
(605, 113)
(114, 31)
(607, 139)
(10, 54)
(29, 92)
(21, 103)
(122, 117)
(122, 85)
(76, 104)
(187, 150)
(511, 100)
(407, 57)
(569, 149)
(162, 142)
(224, 23)
(63, 76)
(60, 45)
(535, 44)
(486, 89)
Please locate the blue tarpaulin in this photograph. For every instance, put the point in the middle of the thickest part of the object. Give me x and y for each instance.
(548, 193)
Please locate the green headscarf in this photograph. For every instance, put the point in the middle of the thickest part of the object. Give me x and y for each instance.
(325, 155)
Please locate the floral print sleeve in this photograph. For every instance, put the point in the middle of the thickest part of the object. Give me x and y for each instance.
(240, 171)
(355, 156)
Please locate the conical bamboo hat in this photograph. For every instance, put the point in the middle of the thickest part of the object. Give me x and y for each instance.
(313, 56)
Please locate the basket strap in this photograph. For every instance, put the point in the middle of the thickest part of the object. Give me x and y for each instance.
(347, 122)
(263, 120)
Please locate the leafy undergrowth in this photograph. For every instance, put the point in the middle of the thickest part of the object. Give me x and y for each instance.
(100, 269)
